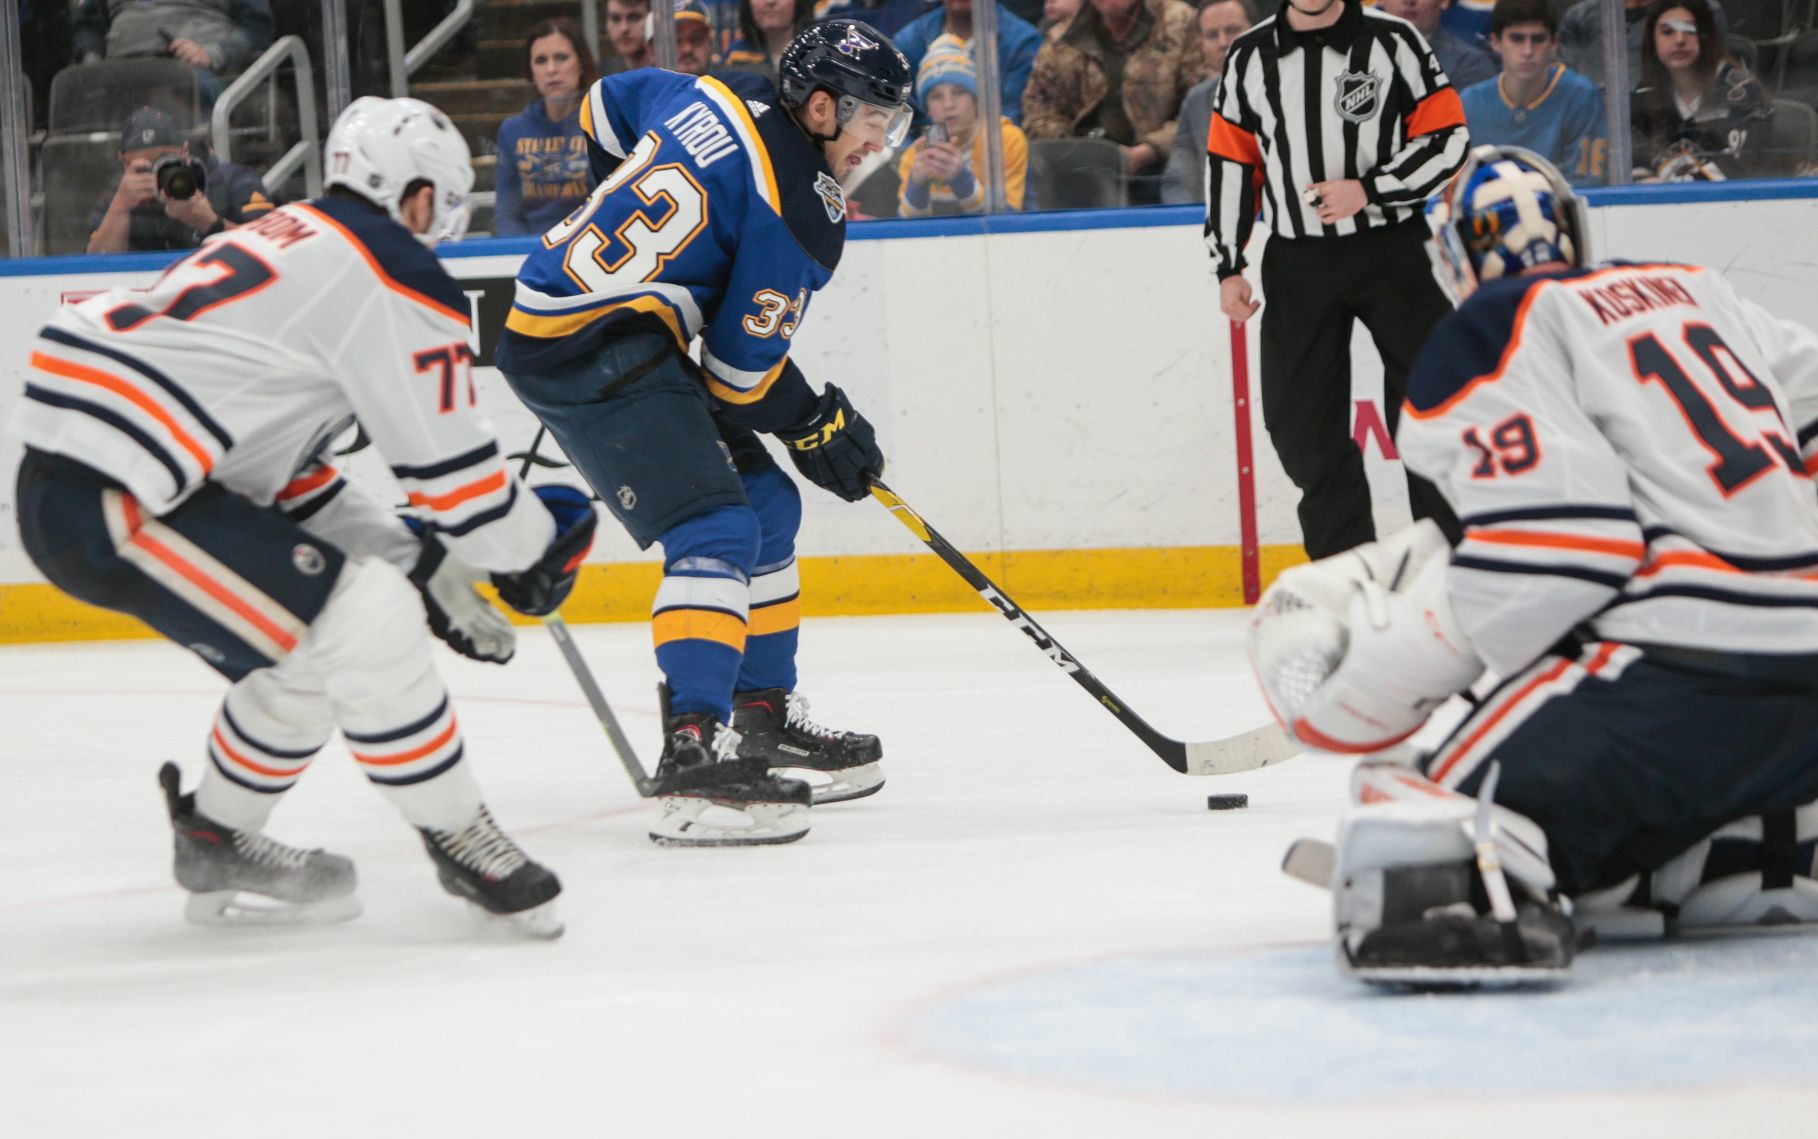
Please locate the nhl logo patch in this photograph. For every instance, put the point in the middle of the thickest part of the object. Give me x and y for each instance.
(831, 196)
(308, 560)
(1359, 94)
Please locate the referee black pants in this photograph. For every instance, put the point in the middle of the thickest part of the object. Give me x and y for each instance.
(1312, 290)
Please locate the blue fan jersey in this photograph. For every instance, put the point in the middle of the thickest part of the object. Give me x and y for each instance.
(1564, 124)
(715, 216)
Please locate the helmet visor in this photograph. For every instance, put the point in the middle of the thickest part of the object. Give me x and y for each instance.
(883, 127)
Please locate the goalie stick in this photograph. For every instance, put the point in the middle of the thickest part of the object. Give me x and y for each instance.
(1245, 751)
(583, 675)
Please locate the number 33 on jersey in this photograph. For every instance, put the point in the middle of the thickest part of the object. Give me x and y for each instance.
(717, 218)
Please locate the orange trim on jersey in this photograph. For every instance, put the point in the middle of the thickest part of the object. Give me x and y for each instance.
(434, 745)
(1604, 653)
(476, 489)
(385, 278)
(1699, 559)
(274, 772)
(1550, 541)
(674, 625)
(298, 487)
(127, 390)
(759, 150)
(189, 572)
(1228, 140)
(1811, 465)
(1439, 111)
(777, 618)
(730, 394)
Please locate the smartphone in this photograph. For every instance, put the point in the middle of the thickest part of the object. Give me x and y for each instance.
(936, 133)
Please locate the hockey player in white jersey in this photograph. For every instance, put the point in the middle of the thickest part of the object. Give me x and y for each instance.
(177, 468)
(1631, 450)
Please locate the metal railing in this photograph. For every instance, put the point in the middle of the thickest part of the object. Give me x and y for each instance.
(403, 62)
(308, 150)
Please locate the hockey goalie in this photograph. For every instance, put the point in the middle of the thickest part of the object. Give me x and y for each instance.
(1631, 449)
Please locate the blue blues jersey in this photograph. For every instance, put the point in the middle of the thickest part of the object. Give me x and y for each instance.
(715, 216)
(1564, 124)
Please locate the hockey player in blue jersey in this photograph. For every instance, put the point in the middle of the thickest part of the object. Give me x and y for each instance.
(1538, 103)
(718, 215)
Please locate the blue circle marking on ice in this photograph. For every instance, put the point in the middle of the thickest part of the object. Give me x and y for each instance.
(1281, 1026)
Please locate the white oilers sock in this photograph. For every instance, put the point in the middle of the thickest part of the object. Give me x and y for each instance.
(270, 726)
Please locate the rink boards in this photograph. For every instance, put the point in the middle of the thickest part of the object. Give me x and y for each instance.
(1054, 393)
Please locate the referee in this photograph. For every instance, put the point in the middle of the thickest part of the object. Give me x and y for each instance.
(1340, 118)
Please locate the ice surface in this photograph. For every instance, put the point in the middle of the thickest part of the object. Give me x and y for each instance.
(1036, 929)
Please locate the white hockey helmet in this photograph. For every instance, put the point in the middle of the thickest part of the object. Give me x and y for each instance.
(378, 147)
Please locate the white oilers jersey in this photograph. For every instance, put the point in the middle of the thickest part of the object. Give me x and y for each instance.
(1629, 445)
(249, 356)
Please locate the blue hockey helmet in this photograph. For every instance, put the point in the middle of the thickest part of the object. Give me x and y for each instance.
(860, 68)
(1507, 210)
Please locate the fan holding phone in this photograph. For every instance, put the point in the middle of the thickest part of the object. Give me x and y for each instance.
(943, 172)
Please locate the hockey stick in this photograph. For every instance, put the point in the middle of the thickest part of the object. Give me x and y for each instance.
(583, 675)
(1245, 751)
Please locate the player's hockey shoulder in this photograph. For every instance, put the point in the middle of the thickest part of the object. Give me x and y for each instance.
(788, 172)
(1474, 342)
(402, 263)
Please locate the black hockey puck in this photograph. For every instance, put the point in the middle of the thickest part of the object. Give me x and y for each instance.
(1227, 802)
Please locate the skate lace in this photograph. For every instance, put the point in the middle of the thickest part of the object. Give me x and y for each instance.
(255, 847)
(483, 847)
(725, 745)
(797, 717)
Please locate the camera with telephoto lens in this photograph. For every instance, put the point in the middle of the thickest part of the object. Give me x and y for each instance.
(179, 176)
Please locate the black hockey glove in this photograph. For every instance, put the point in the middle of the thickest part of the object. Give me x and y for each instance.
(541, 589)
(457, 614)
(837, 448)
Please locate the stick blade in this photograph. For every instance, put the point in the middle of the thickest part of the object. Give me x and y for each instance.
(1246, 751)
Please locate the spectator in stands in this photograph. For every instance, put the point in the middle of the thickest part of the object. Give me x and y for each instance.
(1698, 114)
(943, 172)
(765, 29)
(1464, 62)
(1538, 102)
(1118, 72)
(626, 21)
(693, 37)
(1017, 42)
(137, 216)
(1220, 22)
(216, 37)
(1056, 15)
(542, 172)
(1581, 36)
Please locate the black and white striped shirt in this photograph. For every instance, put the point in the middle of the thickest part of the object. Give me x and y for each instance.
(1362, 99)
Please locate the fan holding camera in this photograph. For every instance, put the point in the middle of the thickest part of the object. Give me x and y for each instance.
(943, 172)
(167, 197)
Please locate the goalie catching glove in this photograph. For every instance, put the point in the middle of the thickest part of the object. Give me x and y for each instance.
(1355, 651)
(540, 589)
(837, 448)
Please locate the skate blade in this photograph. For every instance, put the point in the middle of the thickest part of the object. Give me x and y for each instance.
(539, 923)
(1427, 978)
(688, 821)
(231, 908)
(837, 786)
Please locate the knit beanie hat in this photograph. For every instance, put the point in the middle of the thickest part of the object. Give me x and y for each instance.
(949, 60)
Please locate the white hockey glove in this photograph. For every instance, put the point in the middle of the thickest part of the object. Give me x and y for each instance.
(457, 613)
(1355, 651)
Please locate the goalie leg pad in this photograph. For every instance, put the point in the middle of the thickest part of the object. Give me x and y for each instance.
(1415, 897)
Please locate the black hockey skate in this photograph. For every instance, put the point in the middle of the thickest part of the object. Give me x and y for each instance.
(216, 863)
(1459, 945)
(713, 797)
(774, 726)
(481, 864)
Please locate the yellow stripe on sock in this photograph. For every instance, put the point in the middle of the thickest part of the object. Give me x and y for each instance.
(673, 625)
(778, 618)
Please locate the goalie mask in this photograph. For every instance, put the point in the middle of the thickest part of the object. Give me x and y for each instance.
(1507, 210)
